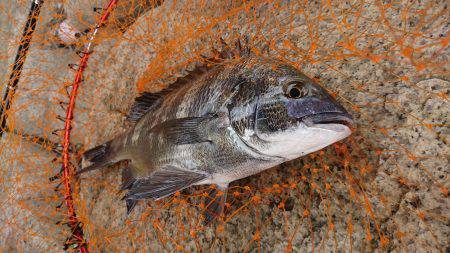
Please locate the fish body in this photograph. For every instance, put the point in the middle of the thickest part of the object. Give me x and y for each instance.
(223, 124)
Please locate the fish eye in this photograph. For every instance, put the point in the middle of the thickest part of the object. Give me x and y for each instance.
(296, 90)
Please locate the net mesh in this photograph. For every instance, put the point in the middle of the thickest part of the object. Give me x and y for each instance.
(383, 188)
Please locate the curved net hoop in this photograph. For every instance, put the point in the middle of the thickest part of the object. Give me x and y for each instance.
(383, 188)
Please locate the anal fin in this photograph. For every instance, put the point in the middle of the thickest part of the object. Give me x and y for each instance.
(164, 182)
(127, 179)
(215, 203)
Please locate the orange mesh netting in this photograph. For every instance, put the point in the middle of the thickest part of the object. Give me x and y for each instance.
(384, 188)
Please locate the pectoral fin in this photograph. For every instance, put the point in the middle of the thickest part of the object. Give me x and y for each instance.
(215, 203)
(190, 130)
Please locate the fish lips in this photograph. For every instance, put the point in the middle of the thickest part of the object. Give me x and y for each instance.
(312, 111)
(328, 118)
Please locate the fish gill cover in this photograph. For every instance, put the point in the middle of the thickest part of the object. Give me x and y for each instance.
(384, 188)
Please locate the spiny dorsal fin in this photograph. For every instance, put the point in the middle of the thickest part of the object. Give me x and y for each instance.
(149, 101)
(143, 104)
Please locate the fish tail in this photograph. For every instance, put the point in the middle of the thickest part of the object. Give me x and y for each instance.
(98, 157)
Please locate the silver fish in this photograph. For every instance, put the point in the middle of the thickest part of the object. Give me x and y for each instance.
(219, 125)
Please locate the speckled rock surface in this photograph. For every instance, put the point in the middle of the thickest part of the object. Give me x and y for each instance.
(383, 189)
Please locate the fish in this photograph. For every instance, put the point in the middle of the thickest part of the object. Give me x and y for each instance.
(220, 123)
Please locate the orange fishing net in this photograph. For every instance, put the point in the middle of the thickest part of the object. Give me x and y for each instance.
(383, 188)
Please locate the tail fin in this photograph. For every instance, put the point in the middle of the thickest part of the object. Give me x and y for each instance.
(97, 157)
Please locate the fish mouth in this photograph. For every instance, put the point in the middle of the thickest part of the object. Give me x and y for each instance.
(312, 111)
(329, 118)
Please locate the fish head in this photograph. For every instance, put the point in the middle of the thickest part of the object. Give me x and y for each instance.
(286, 114)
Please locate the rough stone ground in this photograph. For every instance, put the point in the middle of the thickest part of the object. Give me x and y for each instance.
(397, 186)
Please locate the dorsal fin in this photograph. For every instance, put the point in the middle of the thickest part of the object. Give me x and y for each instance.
(142, 105)
(149, 101)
